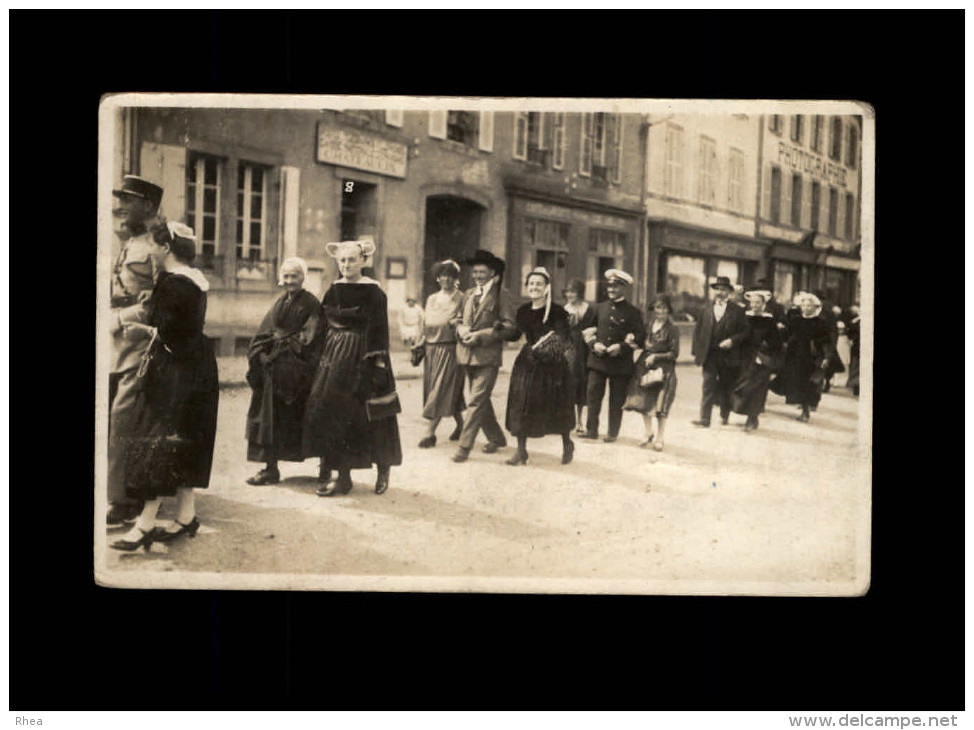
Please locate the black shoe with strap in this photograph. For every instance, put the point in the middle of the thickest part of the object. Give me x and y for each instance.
(189, 529)
(265, 476)
(128, 546)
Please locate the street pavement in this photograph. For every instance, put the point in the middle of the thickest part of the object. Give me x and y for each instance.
(785, 508)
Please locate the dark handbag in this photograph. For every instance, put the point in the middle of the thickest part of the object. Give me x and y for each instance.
(159, 463)
(383, 406)
(416, 355)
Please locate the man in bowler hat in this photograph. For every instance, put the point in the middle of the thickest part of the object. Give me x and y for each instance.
(717, 337)
(619, 328)
(133, 276)
(486, 322)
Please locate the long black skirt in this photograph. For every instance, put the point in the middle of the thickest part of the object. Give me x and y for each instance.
(751, 390)
(540, 399)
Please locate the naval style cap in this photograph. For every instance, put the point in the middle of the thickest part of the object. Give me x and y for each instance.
(619, 276)
(139, 188)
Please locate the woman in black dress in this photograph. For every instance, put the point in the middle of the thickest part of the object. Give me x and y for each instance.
(350, 420)
(853, 320)
(280, 367)
(540, 400)
(654, 399)
(808, 353)
(170, 450)
(581, 316)
(760, 355)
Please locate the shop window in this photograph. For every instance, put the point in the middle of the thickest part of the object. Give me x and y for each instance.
(735, 180)
(833, 210)
(251, 211)
(850, 216)
(203, 178)
(796, 200)
(835, 143)
(707, 177)
(784, 282)
(775, 213)
(673, 174)
(852, 150)
(816, 205)
(730, 269)
(774, 123)
(816, 142)
(797, 128)
(684, 279)
(607, 250)
(545, 243)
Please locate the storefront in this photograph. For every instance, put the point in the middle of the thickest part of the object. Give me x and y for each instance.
(685, 261)
(791, 269)
(579, 240)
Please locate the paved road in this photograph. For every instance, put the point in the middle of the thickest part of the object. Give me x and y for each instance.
(785, 507)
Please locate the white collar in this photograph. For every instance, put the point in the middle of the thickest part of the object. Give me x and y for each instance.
(194, 275)
(362, 280)
(618, 301)
(486, 287)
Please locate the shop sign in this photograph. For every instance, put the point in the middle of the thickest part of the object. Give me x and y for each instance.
(594, 220)
(717, 246)
(800, 160)
(838, 262)
(362, 151)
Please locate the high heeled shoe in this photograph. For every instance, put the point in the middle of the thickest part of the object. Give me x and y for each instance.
(190, 529)
(144, 542)
(520, 457)
(568, 453)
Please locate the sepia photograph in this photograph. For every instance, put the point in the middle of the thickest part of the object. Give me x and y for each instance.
(490, 345)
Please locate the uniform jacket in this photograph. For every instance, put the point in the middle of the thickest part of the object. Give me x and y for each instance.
(615, 320)
(492, 323)
(132, 274)
(732, 325)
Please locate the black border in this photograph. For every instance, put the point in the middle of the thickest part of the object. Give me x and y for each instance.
(75, 646)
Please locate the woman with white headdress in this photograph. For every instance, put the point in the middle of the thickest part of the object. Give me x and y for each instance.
(540, 398)
(437, 348)
(169, 444)
(760, 357)
(280, 366)
(808, 353)
(354, 367)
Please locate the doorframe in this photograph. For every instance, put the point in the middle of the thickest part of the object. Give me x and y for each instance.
(453, 190)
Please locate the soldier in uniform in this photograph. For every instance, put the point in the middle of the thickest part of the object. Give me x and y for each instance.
(619, 326)
(133, 275)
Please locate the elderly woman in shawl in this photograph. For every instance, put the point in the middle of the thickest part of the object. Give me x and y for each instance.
(281, 364)
(350, 420)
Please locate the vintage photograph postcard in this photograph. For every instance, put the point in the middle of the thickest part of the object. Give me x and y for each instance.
(499, 345)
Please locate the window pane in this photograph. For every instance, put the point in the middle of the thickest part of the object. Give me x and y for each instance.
(241, 177)
(255, 206)
(209, 228)
(209, 200)
(254, 235)
(240, 203)
(257, 179)
(239, 231)
(730, 269)
(190, 197)
(210, 172)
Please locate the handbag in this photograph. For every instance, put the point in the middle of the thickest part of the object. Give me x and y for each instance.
(383, 406)
(416, 355)
(651, 377)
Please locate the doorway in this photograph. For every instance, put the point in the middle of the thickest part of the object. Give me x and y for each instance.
(452, 232)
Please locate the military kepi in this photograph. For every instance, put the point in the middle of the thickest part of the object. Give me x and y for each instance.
(139, 188)
(618, 275)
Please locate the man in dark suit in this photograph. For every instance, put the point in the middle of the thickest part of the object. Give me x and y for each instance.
(610, 353)
(717, 337)
(487, 321)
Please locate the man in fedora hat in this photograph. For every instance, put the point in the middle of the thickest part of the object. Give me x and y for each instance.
(486, 322)
(133, 276)
(619, 327)
(717, 337)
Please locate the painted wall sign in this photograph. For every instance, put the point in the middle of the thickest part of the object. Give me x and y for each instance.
(597, 220)
(362, 151)
(802, 161)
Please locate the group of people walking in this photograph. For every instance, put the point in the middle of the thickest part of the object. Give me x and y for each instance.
(322, 380)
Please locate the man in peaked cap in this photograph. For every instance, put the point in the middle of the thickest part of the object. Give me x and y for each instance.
(133, 276)
(717, 337)
(619, 328)
(486, 322)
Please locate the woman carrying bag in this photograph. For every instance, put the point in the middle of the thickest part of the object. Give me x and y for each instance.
(653, 385)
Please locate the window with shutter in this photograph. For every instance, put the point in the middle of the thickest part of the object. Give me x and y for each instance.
(852, 149)
(835, 151)
(203, 183)
(615, 152)
(487, 131)
(673, 177)
(816, 142)
(290, 207)
(833, 210)
(849, 216)
(520, 151)
(559, 140)
(775, 213)
(816, 206)
(585, 159)
(796, 200)
(437, 123)
(251, 211)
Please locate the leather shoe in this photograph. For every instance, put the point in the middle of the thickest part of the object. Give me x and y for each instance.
(491, 447)
(701, 424)
(264, 477)
(382, 480)
(610, 439)
(589, 435)
(342, 485)
(567, 453)
(461, 455)
(455, 436)
(427, 442)
(723, 420)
